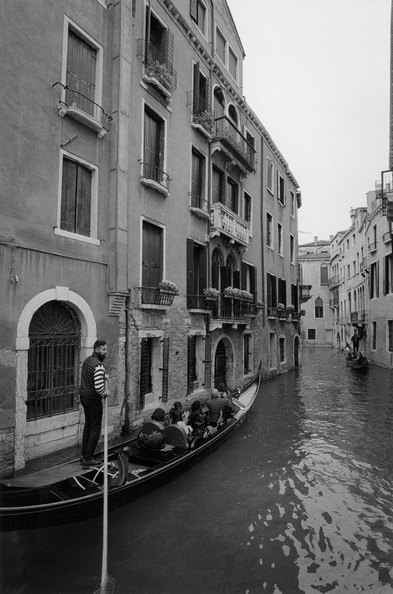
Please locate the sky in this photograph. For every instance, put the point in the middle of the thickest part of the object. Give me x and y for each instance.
(317, 75)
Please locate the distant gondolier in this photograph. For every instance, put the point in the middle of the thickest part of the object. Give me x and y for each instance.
(355, 342)
(92, 390)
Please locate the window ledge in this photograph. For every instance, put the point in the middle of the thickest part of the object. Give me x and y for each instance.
(198, 212)
(76, 236)
(153, 306)
(152, 80)
(202, 130)
(83, 117)
(151, 183)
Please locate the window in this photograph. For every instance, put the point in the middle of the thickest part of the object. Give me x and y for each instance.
(77, 216)
(248, 278)
(374, 280)
(279, 238)
(271, 287)
(232, 64)
(272, 350)
(198, 13)
(247, 354)
(158, 55)
(53, 361)
(191, 364)
(198, 180)
(324, 274)
(233, 195)
(217, 185)
(220, 45)
(282, 291)
(81, 73)
(270, 175)
(281, 188)
(152, 258)
(201, 92)
(374, 336)
(390, 335)
(311, 334)
(292, 248)
(153, 150)
(282, 349)
(269, 230)
(388, 276)
(247, 207)
(292, 195)
(318, 307)
(196, 273)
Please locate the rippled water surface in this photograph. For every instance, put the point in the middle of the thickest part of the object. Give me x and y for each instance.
(299, 500)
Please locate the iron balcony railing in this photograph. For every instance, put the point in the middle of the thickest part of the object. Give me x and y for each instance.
(225, 308)
(154, 173)
(74, 99)
(156, 296)
(225, 131)
(157, 65)
(199, 202)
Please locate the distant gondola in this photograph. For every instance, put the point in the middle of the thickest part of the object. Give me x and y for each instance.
(68, 493)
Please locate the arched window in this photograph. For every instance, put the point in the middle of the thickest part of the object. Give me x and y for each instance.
(318, 308)
(216, 267)
(231, 267)
(232, 113)
(53, 361)
(324, 274)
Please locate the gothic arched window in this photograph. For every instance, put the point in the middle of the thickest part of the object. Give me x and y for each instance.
(318, 308)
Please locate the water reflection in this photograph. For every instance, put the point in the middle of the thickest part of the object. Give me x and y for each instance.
(297, 501)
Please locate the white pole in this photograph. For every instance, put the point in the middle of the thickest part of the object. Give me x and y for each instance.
(104, 571)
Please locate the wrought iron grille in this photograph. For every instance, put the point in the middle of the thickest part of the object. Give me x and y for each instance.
(53, 361)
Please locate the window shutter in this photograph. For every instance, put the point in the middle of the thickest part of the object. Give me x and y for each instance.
(253, 281)
(244, 276)
(68, 196)
(169, 49)
(377, 278)
(151, 255)
(143, 373)
(202, 269)
(194, 9)
(195, 105)
(190, 268)
(83, 206)
(165, 369)
(384, 279)
(236, 279)
(191, 364)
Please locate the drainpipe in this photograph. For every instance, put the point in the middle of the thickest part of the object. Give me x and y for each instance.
(262, 236)
(127, 376)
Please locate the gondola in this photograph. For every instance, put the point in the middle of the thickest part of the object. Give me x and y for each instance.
(68, 493)
(357, 361)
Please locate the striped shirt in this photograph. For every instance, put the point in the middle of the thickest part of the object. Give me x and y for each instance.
(99, 380)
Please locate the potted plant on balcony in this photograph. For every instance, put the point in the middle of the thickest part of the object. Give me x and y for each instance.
(167, 292)
(281, 310)
(232, 293)
(205, 119)
(290, 310)
(246, 296)
(211, 294)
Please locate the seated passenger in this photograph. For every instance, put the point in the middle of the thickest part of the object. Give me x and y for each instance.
(223, 390)
(216, 405)
(151, 435)
(197, 418)
(175, 414)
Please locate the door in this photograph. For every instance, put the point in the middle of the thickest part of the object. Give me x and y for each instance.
(220, 365)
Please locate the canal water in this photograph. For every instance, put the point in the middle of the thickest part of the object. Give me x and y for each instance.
(299, 500)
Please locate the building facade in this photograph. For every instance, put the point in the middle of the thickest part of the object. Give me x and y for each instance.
(143, 202)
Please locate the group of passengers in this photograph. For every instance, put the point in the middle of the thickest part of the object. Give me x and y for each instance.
(216, 411)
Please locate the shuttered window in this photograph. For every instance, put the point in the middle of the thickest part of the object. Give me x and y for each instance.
(145, 377)
(191, 364)
(81, 73)
(75, 215)
(152, 259)
(198, 13)
(153, 145)
(160, 41)
(165, 369)
(197, 180)
(196, 268)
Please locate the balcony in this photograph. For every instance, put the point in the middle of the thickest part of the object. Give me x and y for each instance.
(229, 140)
(224, 221)
(372, 247)
(151, 296)
(334, 281)
(83, 109)
(158, 71)
(387, 237)
(199, 206)
(154, 177)
(304, 293)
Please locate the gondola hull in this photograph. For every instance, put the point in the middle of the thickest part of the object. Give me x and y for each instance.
(67, 493)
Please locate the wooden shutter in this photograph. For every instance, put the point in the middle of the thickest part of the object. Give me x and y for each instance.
(151, 255)
(202, 269)
(191, 353)
(195, 103)
(83, 205)
(190, 268)
(169, 49)
(165, 369)
(194, 9)
(384, 278)
(244, 276)
(152, 147)
(253, 281)
(236, 279)
(144, 372)
(68, 196)
(377, 278)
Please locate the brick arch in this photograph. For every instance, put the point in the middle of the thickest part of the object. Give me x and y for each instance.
(88, 337)
(230, 361)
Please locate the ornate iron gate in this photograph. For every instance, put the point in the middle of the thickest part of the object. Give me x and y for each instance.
(53, 361)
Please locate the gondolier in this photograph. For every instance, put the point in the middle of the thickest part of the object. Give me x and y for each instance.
(92, 390)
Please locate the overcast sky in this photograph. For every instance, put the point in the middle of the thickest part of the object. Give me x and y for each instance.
(316, 73)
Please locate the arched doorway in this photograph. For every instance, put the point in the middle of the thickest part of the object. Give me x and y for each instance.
(220, 365)
(53, 361)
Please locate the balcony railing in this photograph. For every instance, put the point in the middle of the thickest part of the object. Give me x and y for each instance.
(334, 281)
(199, 206)
(224, 308)
(83, 109)
(157, 69)
(225, 131)
(156, 296)
(160, 179)
(373, 246)
(223, 220)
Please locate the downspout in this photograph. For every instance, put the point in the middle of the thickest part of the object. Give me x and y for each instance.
(262, 237)
(125, 409)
